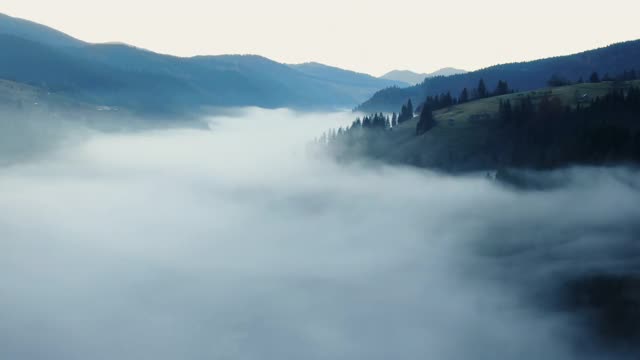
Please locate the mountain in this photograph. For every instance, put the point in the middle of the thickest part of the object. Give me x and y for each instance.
(448, 71)
(57, 71)
(120, 75)
(412, 78)
(33, 31)
(345, 77)
(613, 59)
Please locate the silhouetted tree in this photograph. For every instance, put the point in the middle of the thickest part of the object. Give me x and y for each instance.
(501, 89)
(482, 89)
(594, 78)
(406, 113)
(426, 121)
(464, 96)
(558, 80)
(627, 75)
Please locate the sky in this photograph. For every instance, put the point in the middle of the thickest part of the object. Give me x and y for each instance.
(362, 35)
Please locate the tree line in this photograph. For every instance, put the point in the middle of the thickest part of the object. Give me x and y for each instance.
(426, 121)
(557, 80)
(549, 134)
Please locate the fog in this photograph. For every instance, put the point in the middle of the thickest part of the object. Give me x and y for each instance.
(244, 241)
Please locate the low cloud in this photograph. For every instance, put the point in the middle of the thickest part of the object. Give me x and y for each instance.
(243, 242)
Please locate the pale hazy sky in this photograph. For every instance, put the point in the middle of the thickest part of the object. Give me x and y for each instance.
(363, 35)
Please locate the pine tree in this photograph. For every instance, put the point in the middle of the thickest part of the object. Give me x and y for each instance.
(557, 80)
(502, 88)
(426, 121)
(406, 113)
(482, 89)
(448, 99)
(464, 96)
(403, 114)
(594, 78)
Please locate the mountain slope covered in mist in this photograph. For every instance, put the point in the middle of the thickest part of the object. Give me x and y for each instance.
(612, 60)
(126, 76)
(237, 242)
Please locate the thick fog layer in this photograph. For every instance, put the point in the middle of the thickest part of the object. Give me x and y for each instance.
(245, 242)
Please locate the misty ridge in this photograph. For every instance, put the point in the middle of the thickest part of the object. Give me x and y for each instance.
(242, 239)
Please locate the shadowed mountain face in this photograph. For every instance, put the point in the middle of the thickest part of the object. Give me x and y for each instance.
(412, 78)
(346, 77)
(30, 30)
(612, 60)
(124, 76)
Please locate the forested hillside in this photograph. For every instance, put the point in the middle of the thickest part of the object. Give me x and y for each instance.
(588, 123)
(609, 61)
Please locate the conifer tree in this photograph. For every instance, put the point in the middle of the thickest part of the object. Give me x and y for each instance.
(502, 88)
(464, 96)
(482, 89)
(426, 121)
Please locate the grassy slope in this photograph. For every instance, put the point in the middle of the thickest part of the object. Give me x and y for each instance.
(464, 133)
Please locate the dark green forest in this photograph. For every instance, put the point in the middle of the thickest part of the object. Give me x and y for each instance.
(608, 62)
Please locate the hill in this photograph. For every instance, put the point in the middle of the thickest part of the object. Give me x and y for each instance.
(25, 98)
(124, 76)
(613, 60)
(473, 137)
(33, 31)
(346, 77)
(57, 71)
(412, 78)
(338, 75)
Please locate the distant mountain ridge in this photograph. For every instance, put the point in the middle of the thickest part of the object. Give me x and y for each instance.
(120, 75)
(335, 74)
(30, 30)
(413, 78)
(613, 60)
